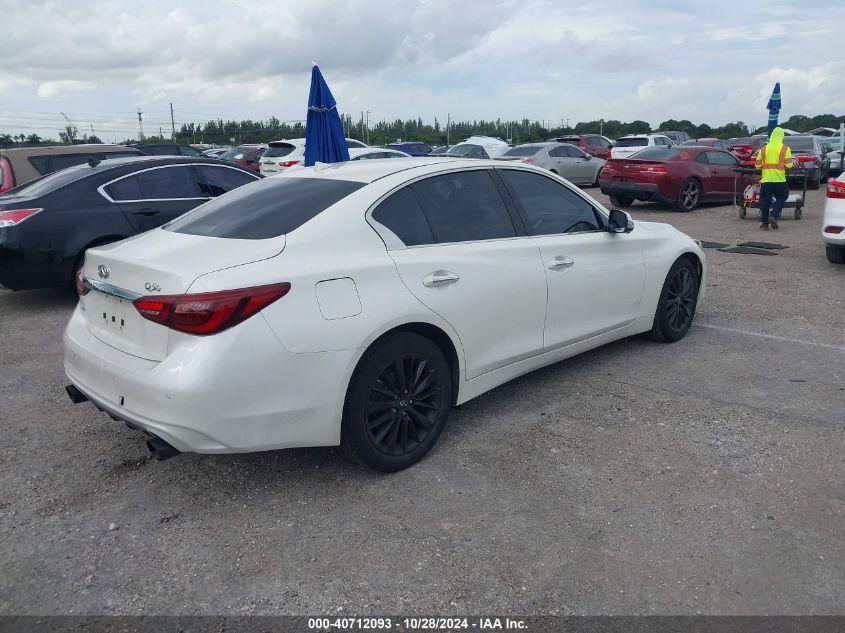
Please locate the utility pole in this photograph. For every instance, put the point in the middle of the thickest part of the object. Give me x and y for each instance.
(368, 127)
(140, 125)
(362, 125)
(448, 121)
(92, 130)
(172, 124)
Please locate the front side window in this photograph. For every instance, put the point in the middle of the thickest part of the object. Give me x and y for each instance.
(215, 181)
(463, 206)
(164, 183)
(268, 208)
(401, 214)
(559, 152)
(720, 158)
(550, 208)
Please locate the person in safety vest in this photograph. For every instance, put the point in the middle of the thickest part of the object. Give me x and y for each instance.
(773, 159)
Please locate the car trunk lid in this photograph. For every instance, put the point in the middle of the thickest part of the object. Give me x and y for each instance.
(158, 262)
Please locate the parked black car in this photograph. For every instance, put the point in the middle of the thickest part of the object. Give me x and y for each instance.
(166, 149)
(46, 224)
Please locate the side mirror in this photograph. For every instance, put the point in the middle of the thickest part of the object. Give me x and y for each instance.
(620, 222)
(588, 157)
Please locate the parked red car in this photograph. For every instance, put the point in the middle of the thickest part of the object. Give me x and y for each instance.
(745, 148)
(595, 144)
(682, 176)
(247, 156)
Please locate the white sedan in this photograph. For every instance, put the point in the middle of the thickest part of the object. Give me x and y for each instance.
(833, 224)
(355, 304)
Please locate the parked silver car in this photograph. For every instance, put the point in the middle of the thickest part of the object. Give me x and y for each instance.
(563, 159)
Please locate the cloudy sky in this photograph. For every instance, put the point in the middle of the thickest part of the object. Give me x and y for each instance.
(709, 61)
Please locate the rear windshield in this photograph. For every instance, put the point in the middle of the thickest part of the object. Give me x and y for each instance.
(465, 149)
(236, 153)
(523, 150)
(800, 143)
(659, 153)
(51, 182)
(277, 151)
(632, 142)
(264, 209)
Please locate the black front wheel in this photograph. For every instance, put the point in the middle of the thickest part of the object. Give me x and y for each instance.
(676, 307)
(397, 403)
(620, 201)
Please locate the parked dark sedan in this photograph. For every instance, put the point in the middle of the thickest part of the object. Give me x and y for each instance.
(46, 225)
(811, 153)
(682, 176)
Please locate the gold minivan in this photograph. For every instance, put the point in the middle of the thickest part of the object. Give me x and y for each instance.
(19, 165)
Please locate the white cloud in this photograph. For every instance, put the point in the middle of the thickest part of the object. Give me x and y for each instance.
(50, 89)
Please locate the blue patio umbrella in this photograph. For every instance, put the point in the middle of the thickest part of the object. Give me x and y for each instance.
(324, 140)
(774, 108)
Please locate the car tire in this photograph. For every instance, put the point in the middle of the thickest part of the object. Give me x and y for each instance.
(835, 254)
(676, 306)
(689, 195)
(397, 403)
(621, 201)
(799, 213)
(743, 211)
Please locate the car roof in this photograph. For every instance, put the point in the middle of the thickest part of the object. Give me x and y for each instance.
(368, 171)
(52, 150)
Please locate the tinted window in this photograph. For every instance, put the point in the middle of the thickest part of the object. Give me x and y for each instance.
(550, 208)
(41, 164)
(187, 150)
(467, 150)
(660, 153)
(236, 153)
(165, 183)
(51, 182)
(160, 150)
(799, 143)
(574, 152)
(559, 151)
(523, 150)
(464, 206)
(402, 214)
(218, 180)
(631, 142)
(63, 161)
(269, 208)
(720, 158)
(277, 151)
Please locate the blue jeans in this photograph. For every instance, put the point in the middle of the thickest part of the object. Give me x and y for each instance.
(769, 190)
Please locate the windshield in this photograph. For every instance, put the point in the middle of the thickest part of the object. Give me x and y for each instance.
(523, 150)
(264, 209)
(466, 149)
(236, 153)
(632, 142)
(799, 143)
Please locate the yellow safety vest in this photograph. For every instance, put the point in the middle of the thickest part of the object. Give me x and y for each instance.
(774, 169)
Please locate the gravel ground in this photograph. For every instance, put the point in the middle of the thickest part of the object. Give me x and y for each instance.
(701, 477)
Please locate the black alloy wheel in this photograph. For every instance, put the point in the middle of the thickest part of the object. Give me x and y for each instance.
(403, 405)
(397, 404)
(676, 306)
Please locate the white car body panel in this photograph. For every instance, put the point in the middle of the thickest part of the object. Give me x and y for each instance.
(627, 152)
(834, 215)
(279, 378)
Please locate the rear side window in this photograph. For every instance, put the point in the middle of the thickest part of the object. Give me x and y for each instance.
(215, 181)
(269, 208)
(402, 214)
(164, 183)
(463, 206)
(720, 158)
(550, 208)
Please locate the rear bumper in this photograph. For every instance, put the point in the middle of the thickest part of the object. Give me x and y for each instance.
(834, 215)
(637, 190)
(237, 391)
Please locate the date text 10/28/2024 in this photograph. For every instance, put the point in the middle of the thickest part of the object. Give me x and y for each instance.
(417, 624)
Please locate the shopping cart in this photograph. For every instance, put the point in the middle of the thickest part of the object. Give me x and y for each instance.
(748, 180)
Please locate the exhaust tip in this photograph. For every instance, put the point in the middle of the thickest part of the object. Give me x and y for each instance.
(75, 395)
(160, 450)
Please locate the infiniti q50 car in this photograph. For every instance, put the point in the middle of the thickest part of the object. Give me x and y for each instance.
(355, 304)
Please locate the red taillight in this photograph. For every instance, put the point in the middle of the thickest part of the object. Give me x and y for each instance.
(654, 169)
(7, 179)
(835, 189)
(13, 217)
(528, 161)
(835, 230)
(806, 159)
(288, 163)
(81, 288)
(209, 312)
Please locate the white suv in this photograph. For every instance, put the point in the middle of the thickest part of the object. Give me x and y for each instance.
(287, 153)
(633, 143)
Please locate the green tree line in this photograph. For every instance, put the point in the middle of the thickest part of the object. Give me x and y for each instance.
(220, 132)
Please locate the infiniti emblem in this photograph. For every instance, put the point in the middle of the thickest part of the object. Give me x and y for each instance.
(103, 271)
(152, 287)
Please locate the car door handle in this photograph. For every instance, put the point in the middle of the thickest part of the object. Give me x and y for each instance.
(439, 277)
(560, 262)
(146, 212)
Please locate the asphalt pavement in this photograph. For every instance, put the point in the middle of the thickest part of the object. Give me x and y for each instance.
(701, 477)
